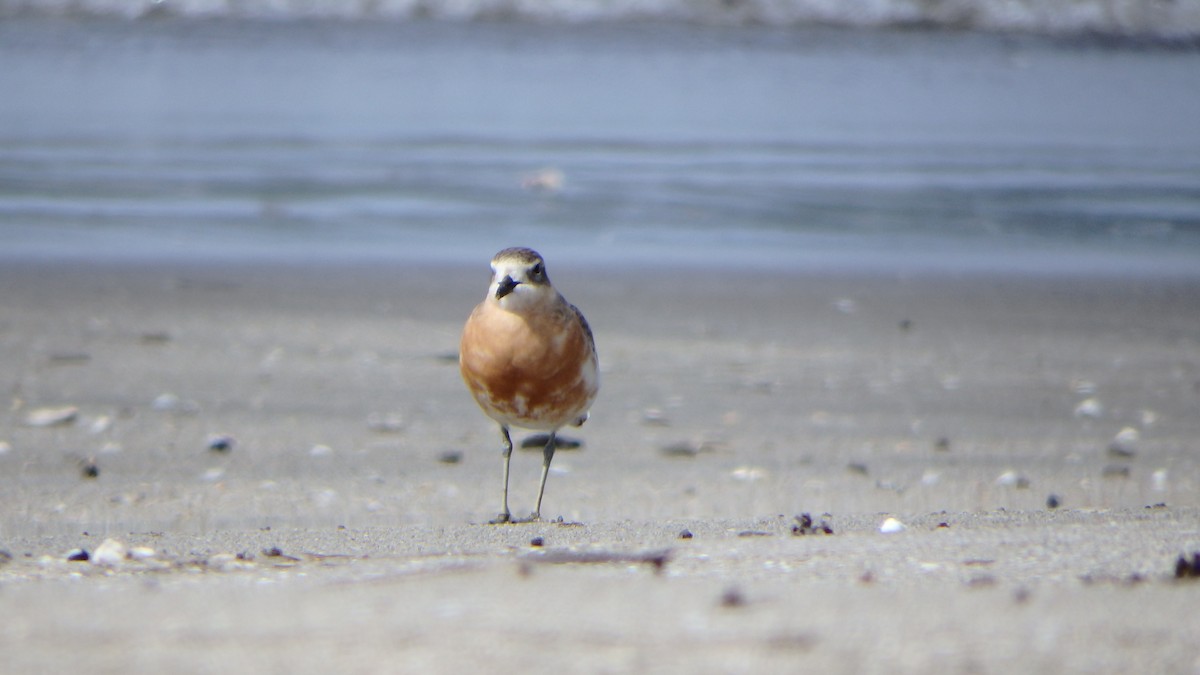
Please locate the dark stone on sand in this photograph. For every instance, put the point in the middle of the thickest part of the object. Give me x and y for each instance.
(733, 597)
(537, 542)
(1188, 568)
(450, 457)
(686, 534)
(78, 555)
(1052, 502)
(858, 468)
(805, 525)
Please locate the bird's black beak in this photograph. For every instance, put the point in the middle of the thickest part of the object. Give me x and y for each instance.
(507, 284)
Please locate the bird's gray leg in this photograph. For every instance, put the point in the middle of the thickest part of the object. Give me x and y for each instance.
(505, 516)
(547, 455)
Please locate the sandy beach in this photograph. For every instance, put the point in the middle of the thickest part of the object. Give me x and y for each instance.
(291, 477)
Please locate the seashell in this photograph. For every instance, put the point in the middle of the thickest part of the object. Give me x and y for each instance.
(51, 417)
(109, 554)
(165, 402)
(891, 526)
(100, 424)
(749, 474)
(1090, 408)
(1124, 444)
(142, 553)
(1012, 479)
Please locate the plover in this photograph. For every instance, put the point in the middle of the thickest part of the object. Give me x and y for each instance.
(528, 357)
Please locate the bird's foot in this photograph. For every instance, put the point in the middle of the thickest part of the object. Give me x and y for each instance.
(501, 519)
(533, 518)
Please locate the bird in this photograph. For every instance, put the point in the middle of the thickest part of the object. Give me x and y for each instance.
(528, 357)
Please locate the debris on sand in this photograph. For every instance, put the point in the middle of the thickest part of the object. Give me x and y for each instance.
(1188, 568)
(805, 525)
(891, 526)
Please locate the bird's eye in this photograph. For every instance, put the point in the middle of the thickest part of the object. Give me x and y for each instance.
(537, 270)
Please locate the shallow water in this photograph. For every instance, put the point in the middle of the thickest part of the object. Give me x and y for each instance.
(700, 145)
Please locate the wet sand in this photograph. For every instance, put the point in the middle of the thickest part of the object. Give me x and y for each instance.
(345, 529)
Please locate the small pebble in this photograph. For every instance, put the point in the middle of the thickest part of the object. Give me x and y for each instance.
(733, 597)
(5, 447)
(90, 469)
(1052, 502)
(1188, 568)
(172, 403)
(1012, 479)
(749, 474)
(858, 468)
(1090, 408)
(537, 542)
(228, 562)
(942, 444)
(51, 417)
(450, 457)
(686, 534)
(320, 451)
(142, 553)
(78, 555)
(221, 443)
(110, 553)
(680, 449)
(165, 402)
(1124, 444)
(100, 425)
(1158, 480)
(892, 526)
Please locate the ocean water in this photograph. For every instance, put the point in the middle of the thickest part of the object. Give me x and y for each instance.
(172, 131)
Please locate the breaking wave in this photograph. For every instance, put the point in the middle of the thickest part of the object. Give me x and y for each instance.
(1142, 19)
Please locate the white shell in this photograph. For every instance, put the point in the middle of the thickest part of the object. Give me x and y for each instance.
(110, 553)
(51, 417)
